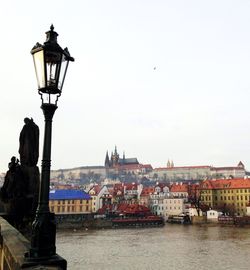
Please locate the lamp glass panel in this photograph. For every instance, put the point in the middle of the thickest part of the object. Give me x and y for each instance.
(52, 60)
(38, 58)
(64, 66)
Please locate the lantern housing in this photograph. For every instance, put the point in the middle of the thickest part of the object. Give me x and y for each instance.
(51, 63)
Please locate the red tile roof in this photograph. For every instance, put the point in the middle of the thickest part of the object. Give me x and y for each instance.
(235, 183)
(226, 168)
(179, 188)
(96, 189)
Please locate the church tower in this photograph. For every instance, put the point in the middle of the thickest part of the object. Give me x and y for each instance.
(115, 158)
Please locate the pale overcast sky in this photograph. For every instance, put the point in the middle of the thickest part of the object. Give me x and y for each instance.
(159, 79)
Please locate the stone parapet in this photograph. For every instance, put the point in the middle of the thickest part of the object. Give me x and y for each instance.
(13, 246)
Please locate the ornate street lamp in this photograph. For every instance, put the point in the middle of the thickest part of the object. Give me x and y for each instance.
(51, 63)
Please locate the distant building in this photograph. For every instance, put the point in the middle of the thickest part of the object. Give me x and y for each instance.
(69, 202)
(172, 173)
(79, 173)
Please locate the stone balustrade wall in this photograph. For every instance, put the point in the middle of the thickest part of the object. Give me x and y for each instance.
(13, 246)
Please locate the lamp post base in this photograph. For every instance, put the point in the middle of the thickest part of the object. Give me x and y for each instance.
(43, 248)
(54, 261)
(43, 236)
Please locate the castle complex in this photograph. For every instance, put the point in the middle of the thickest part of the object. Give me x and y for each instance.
(129, 169)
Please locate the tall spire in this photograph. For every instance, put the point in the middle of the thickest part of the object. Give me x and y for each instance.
(168, 164)
(107, 162)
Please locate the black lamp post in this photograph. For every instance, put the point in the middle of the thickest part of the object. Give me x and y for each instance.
(51, 63)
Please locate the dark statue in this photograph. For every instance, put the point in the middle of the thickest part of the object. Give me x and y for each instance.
(19, 193)
(13, 193)
(29, 143)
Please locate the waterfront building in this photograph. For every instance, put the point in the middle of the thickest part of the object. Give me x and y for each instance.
(100, 196)
(69, 202)
(212, 215)
(167, 206)
(174, 173)
(191, 210)
(231, 196)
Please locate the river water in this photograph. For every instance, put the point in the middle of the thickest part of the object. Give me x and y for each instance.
(170, 247)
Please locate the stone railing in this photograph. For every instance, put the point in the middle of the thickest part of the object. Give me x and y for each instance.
(13, 246)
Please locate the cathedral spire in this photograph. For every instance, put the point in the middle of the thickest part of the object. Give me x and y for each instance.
(107, 162)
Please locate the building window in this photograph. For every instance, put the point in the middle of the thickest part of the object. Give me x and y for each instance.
(58, 208)
(72, 201)
(63, 208)
(87, 202)
(63, 202)
(68, 208)
(87, 208)
(69, 202)
(73, 208)
(80, 201)
(80, 208)
(59, 202)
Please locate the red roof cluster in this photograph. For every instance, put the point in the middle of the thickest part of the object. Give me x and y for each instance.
(132, 186)
(147, 191)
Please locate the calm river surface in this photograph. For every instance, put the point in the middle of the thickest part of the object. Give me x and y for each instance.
(169, 247)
